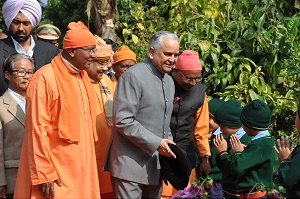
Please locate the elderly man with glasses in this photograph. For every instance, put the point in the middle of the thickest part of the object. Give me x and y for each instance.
(58, 154)
(17, 69)
(123, 59)
(190, 117)
(104, 91)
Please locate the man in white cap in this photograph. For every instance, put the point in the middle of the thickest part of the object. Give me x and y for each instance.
(20, 17)
(48, 33)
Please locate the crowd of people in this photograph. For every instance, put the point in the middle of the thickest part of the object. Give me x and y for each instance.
(89, 121)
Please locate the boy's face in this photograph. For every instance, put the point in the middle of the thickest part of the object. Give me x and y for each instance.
(212, 125)
(228, 131)
(249, 131)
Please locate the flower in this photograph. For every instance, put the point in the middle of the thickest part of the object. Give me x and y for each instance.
(198, 189)
(273, 194)
(176, 99)
(208, 183)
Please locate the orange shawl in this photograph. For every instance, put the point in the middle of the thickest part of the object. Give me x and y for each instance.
(68, 129)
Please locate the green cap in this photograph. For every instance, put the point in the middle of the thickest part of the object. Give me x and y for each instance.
(256, 115)
(229, 113)
(214, 104)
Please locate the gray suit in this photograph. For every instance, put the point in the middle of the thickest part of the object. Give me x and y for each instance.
(12, 127)
(43, 54)
(143, 104)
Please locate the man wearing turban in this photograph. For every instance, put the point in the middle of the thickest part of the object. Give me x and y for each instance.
(104, 90)
(20, 17)
(190, 104)
(123, 59)
(58, 154)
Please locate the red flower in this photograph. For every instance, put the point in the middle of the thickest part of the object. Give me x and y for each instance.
(176, 100)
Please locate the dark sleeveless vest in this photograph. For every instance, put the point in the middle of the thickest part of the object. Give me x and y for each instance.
(186, 104)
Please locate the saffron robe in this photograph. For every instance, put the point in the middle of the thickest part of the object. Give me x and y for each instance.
(46, 157)
(103, 131)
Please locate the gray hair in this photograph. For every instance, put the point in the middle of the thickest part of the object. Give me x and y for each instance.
(156, 39)
(9, 62)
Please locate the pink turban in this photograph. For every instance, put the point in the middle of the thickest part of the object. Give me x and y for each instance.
(78, 35)
(30, 8)
(188, 60)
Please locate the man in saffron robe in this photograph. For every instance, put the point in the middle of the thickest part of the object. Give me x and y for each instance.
(123, 59)
(58, 154)
(104, 90)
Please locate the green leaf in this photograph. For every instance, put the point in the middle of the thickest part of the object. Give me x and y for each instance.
(140, 26)
(253, 95)
(261, 22)
(252, 80)
(135, 39)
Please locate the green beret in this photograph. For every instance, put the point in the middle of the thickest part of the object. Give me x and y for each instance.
(213, 105)
(229, 114)
(256, 115)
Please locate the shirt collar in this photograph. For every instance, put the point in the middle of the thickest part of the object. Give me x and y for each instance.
(261, 134)
(20, 48)
(71, 68)
(16, 96)
(217, 131)
(240, 133)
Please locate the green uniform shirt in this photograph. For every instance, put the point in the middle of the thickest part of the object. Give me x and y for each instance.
(228, 181)
(215, 172)
(255, 164)
(289, 175)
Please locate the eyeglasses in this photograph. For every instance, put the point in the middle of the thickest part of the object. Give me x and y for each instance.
(90, 51)
(103, 63)
(191, 80)
(23, 73)
(125, 67)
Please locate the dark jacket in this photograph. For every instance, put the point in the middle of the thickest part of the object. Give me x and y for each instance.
(43, 53)
(289, 175)
(183, 118)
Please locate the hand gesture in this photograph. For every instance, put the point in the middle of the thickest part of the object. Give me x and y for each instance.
(220, 143)
(283, 148)
(164, 148)
(236, 145)
(47, 189)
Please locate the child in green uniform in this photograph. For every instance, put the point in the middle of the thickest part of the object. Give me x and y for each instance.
(227, 117)
(254, 163)
(288, 171)
(215, 174)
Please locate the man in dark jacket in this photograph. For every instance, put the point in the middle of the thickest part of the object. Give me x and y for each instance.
(190, 117)
(20, 18)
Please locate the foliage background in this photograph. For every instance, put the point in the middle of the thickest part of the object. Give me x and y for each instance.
(249, 49)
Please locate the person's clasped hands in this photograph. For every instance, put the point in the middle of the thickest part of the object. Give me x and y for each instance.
(221, 144)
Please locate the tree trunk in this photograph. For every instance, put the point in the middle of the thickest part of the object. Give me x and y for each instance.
(105, 11)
